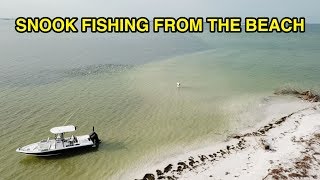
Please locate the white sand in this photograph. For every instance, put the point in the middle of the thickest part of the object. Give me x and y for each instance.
(251, 160)
(255, 162)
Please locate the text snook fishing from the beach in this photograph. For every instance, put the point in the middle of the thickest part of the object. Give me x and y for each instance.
(159, 24)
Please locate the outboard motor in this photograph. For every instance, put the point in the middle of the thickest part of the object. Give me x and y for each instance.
(94, 138)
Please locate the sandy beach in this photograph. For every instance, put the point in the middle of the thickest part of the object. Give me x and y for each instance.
(286, 145)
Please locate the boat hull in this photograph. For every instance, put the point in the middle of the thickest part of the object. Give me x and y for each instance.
(74, 150)
(60, 145)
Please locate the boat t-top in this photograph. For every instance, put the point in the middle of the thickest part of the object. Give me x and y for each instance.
(61, 144)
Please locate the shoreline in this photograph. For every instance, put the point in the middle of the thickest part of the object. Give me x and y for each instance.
(233, 158)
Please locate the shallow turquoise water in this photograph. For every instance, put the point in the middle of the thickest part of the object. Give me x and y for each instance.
(125, 85)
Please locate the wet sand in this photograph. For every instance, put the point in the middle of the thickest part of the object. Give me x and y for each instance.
(284, 146)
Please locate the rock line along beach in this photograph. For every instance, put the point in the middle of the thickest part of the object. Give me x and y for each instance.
(280, 147)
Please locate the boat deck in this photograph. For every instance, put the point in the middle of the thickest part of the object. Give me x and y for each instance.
(57, 144)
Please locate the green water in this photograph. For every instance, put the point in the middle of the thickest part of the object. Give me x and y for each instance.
(125, 86)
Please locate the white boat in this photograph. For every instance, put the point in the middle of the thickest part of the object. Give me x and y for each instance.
(61, 144)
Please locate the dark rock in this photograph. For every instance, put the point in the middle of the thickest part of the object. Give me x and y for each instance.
(179, 169)
(255, 134)
(237, 136)
(222, 152)
(184, 165)
(171, 178)
(203, 158)
(191, 163)
(266, 147)
(281, 120)
(149, 177)
(159, 173)
(213, 159)
(168, 168)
